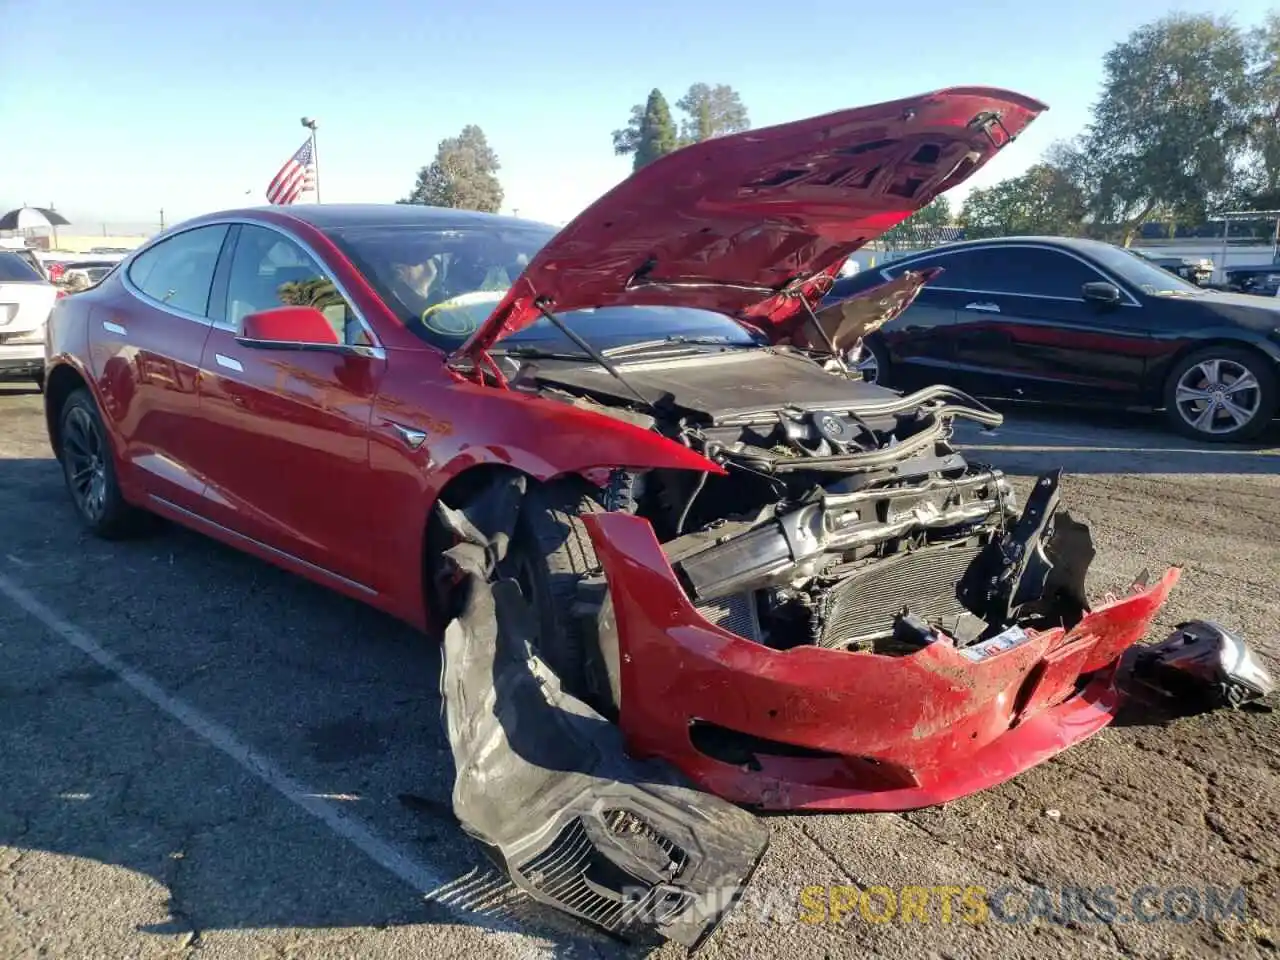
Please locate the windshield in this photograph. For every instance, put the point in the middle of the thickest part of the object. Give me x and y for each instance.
(1136, 269)
(443, 283)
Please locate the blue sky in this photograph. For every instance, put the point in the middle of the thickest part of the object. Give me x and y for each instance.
(127, 108)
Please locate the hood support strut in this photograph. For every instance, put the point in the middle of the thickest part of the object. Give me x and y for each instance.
(822, 332)
(544, 307)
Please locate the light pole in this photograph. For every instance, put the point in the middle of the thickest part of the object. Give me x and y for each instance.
(310, 124)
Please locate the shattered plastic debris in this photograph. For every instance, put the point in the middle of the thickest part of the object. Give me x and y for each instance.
(544, 783)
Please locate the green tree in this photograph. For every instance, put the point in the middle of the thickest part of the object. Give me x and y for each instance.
(464, 175)
(936, 213)
(1171, 124)
(650, 134)
(711, 112)
(922, 228)
(708, 112)
(1045, 200)
(1260, 180)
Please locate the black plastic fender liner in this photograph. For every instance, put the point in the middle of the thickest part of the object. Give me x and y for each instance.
(543, 781)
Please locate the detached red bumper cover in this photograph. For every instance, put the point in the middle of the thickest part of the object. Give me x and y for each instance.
(874, 732)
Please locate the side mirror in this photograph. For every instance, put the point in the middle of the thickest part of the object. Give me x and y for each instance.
(1101, 292)
(288, 328)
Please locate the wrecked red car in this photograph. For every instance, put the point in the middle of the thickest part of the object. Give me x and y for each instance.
(686, 562)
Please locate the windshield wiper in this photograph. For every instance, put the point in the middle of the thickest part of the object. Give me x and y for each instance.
(627, 348)
(591, 351)
(537, 353)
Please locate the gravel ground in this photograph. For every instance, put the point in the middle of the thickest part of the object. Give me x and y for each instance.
(201, 756)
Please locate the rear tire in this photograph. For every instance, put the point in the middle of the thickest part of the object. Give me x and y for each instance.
(39, 381)
(1204, 398)
(550, 555)
(88, 466)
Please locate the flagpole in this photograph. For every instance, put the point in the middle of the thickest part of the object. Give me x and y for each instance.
(310, 124)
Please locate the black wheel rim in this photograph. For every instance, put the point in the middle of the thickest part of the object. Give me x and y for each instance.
(84, 455)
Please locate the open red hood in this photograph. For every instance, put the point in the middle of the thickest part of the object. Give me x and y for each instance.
(747, 224)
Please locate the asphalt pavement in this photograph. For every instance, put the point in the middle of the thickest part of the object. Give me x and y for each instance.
(202, 756)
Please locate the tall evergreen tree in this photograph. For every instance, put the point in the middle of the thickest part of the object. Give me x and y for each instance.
(657, 131)
(649, 134)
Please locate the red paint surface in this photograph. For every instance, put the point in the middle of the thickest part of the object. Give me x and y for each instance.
(763, 208)
(290, 325)
(905, 731)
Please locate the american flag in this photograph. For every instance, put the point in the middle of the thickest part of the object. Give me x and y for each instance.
(296, 176)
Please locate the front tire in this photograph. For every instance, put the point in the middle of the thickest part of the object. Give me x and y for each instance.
(89, 469)
(550, 555)
(1221, 394)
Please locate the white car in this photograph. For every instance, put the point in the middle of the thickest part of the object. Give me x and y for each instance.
(26, 300)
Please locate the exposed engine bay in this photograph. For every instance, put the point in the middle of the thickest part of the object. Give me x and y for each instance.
(737, 616)
(847, 518)
(845, 521)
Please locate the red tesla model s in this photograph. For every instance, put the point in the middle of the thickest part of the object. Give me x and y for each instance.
(682, 506)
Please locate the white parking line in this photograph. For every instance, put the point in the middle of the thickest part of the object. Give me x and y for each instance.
(418, 875)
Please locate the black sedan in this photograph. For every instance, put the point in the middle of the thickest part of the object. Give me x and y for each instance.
(1082, 322)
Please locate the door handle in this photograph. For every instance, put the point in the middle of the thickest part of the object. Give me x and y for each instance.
(983, 307)
(115, 328)
(231, 363)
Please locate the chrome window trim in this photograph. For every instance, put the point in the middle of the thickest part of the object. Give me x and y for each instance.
(351, 349)
(374, 350)
(127, 265)
(1132, 301)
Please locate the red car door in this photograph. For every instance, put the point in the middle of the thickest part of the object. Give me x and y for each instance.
(147, 339)
(286, 450)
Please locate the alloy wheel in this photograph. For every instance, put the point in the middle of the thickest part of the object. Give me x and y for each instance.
(1218, 396)
(84, 455)
(863, 360)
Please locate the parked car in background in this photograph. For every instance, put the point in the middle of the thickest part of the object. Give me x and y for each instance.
(1195, 270)
(20, 249)
(1259, 279)
(93, 265)
(26, 300)
(92, 270)
(1083, 322)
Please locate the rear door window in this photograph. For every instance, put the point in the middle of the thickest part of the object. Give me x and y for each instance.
(178, 272)
(1024, 271)
(964, 269)
(1041, 272)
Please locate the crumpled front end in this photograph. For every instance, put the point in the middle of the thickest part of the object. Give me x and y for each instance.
(543, 781)
(817, 728)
